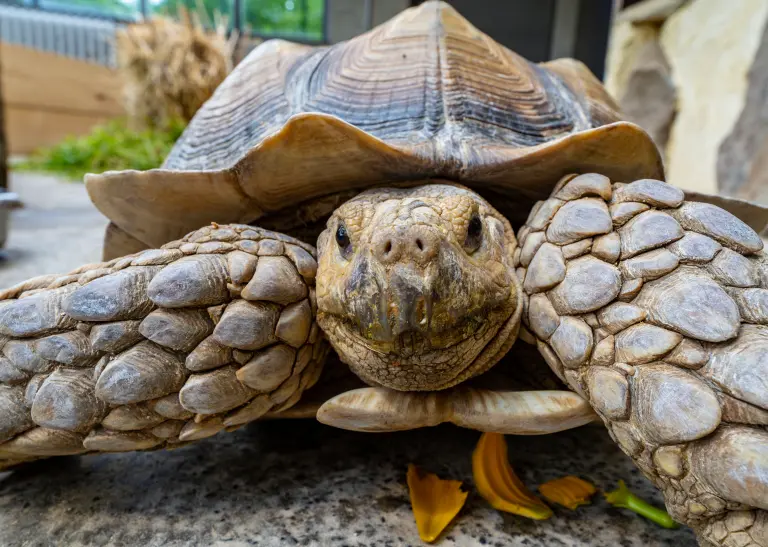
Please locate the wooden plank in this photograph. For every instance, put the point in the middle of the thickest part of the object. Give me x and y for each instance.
(42, 80)
(30, 129)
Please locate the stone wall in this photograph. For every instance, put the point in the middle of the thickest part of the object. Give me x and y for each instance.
(695, 75)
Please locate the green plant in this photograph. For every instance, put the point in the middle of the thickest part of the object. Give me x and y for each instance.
(112, 146)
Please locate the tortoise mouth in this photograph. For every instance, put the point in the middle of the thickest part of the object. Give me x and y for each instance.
(414, 360)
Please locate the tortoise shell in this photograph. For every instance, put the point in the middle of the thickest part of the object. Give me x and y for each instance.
(425, 95)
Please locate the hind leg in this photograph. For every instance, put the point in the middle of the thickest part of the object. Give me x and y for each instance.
(159, 348)
(656, 311)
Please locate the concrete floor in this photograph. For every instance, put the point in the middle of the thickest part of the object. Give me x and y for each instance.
(283, 482)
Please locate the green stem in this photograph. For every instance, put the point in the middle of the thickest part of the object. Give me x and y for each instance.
(622, 497)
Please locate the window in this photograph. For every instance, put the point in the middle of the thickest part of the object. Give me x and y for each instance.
(121, 9)
(208, 10)
(298, 18)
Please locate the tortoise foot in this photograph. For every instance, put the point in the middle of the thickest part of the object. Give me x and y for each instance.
(655, 309)
(160, 348)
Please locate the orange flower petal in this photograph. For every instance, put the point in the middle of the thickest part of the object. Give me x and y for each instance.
(497, 482)
(435, 502)
(569, 491)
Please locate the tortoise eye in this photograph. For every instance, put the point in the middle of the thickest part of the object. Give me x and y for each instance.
(342, 239)
(474, 233)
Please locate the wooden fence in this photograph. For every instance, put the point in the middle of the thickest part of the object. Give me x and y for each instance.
(49, 96)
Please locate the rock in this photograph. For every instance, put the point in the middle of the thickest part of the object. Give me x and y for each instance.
(650, 11)
(529, 248)
(207, 355)
(14, 416)
(589, 284)
(630, 289)
(36, 315)
(214, 392)
(269, 368)
(180, 330)
(650, 265)
(689, 354)
(734, 463)
(619, 316)
(621, 213)
(192, 281)
(718, 224)
(690, 303)
(572, 341)
(547, 269)
(579, 219)
(671, 406)
(66, 400)
(734, 269)
(644, 343)
(651, 192)
(542, 317)
(589, 184)
(669, 460)
(544, 213)
(275, 280)
(744, 151)
(115, 337)
(626, 43)
(694, 248)
(647, 231)
(607, 247)
(118, 296)
(577, 249)
(241, 266)
(146, 371)
(132, 418)
(710, 51)
(752, 303)
(741, 366)
(247, 325)
(608, 392)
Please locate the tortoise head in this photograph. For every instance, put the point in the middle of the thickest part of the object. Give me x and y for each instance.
(416, 288)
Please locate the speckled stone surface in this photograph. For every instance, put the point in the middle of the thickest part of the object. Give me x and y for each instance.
(302, 483)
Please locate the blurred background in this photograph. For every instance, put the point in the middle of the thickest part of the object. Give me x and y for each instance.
(93, 85)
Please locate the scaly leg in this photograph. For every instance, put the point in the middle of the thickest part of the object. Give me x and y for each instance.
(159, 348)
(656, 311)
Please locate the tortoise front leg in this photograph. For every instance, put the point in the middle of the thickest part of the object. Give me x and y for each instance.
(656, 311)
(159, 348)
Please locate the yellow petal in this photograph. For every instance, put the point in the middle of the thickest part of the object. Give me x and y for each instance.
(568, 491)
(497, 482)
(434, 501)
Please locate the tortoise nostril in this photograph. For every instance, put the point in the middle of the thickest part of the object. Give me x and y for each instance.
(388, 248)
(420, 244)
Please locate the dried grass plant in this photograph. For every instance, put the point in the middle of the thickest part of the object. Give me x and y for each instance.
(170, 68)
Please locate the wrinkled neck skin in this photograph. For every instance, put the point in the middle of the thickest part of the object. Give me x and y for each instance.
(415, 286)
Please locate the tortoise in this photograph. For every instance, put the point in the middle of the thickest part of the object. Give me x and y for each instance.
(408, 154)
